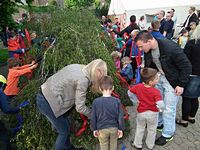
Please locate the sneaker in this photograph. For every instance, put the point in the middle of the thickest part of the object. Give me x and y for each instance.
(132, 144)
(163, 140)
(160, 128)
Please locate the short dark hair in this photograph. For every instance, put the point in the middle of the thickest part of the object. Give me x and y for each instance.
(143, 36)
(173, 9)
(148, 74)
(106, 83)
(109, 21)
(132, 18)
(13, 62)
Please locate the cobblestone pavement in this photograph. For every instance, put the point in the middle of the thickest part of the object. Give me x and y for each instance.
(184, 138)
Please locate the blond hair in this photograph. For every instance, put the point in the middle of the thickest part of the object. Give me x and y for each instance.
(91, 70)
(116, 54)
(134, 32)
(196, 33)
(126, 60)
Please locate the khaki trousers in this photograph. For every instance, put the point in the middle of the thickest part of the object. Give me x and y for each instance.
(108, 138)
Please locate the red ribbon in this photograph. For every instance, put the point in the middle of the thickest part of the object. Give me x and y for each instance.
(122, 80)
(84, 125)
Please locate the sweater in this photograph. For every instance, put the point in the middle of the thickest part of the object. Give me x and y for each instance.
(106, 113)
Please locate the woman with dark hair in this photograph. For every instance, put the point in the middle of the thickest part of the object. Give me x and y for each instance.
(190, 102)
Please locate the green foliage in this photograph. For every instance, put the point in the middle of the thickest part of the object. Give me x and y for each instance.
(102, 10)
(78, 3)
(78, 40)
(9, 7)
(39, 9)
(3, 56)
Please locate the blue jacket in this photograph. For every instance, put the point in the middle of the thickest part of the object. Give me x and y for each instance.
(5, 106)
(127, 72)
(157, 34)
(134, 48)
(106, 113)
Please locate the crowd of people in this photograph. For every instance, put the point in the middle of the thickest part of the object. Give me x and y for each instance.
(174, 74)
(166, 70)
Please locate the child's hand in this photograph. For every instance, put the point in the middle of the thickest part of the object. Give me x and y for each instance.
(34, 66)
(120, 133)
(33, 62)
(96, 133)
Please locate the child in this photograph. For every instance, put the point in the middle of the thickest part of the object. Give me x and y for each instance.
(107, 120)
(14, 48)
(184, 38)
(14, 73)
(149, 104)
(6, 108)
(4, 103)
(116, 57)
(127, 70)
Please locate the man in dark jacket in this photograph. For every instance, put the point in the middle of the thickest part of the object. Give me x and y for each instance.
(130, 28)
(167, 57)
(192, 17)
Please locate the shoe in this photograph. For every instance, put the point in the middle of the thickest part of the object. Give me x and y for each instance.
(132, 144)
(191, 121)
(179, 122)
(75, 148)
(163, 140)
(160, 128)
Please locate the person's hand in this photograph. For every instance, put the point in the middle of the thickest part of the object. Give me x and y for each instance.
(179, 90)
(34, 66)
(111, 30)
(96, 133)
(120, 133)
(33, 62)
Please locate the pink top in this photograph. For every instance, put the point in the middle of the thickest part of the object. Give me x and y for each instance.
(117, 64)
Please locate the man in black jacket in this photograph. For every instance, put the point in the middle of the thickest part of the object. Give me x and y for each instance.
(130, 28)
(192, 17)
(167, 57)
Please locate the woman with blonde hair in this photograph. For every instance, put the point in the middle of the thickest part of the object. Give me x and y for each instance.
(65, 89)
(191, 93)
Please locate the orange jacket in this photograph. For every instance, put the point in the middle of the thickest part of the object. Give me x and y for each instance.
(13, 79)
(13, 44)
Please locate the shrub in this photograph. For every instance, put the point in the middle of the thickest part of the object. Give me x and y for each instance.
(78, 40)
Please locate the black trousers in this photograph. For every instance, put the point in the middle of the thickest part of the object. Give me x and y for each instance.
(189, 107)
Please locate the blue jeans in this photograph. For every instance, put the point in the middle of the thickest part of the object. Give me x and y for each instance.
(192, 89)
(167, 117)
(61, 124)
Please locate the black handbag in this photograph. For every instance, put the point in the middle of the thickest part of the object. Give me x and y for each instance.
(192, 88)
